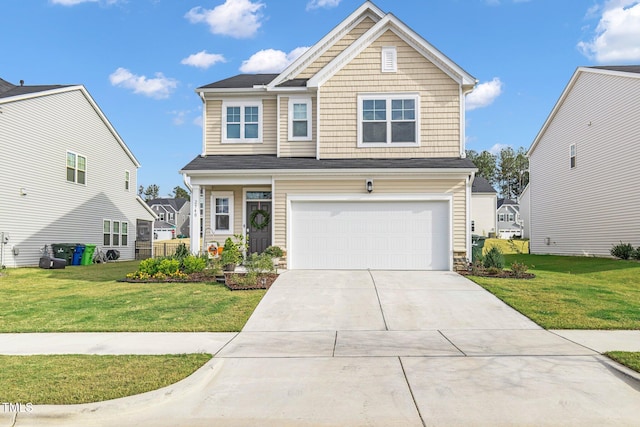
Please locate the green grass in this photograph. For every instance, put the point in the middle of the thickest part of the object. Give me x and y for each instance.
(573, 292)
(72, 379)
(89, 299)
(629, 359)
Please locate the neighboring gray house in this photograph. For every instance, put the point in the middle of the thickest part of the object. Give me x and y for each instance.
(510, 224)
(483, 207)
(67, 176)
(584, 165)
(173, 217)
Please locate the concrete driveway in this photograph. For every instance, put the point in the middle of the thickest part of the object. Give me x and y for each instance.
(360, 348)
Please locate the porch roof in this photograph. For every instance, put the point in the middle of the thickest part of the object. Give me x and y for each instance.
(272, 162)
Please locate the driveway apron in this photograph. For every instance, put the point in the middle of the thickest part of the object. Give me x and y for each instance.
(379, 348)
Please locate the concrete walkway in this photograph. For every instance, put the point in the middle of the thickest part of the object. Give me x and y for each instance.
(366, 348)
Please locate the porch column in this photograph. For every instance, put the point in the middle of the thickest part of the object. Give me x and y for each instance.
(195, 220)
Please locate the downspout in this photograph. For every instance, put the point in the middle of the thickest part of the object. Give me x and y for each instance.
(468, 225)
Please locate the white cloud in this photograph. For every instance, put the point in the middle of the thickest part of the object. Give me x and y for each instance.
(318, 4)
(159, 87)
(271, 60)
(484, 94)
(495, 150)
(617, 34)
(235, 18)
(203, 59)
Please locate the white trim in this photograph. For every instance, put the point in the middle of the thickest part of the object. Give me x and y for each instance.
(194, 223)
(245, 190)
(75, 168)
(318, 125)
(306, 100)
(242, 104)
(367, 198)
(262, 176)
(389, 97)
(468, 222)
(222, 195)
(278, 118)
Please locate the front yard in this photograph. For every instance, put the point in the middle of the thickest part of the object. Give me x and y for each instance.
(573, 292)
(89, 299)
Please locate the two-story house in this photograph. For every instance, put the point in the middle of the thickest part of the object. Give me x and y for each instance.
(583, 195)
(351, 158)
(173, 217)
(66, 174)
(510, 224)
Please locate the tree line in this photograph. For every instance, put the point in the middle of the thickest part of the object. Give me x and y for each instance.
(153, 192)
(507, 171)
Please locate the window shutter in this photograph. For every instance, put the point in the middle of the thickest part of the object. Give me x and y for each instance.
(389, 60)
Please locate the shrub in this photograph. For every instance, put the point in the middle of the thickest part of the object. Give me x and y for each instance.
(193, 264)
(230, 254)
(274, 251)
(257, 264)
(519, 268)
(181, 251)
(169, 266)
(493, 258)
(622, 250)
(636, 254)
(149, 266)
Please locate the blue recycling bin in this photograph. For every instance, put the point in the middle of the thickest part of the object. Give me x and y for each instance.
(77, 254)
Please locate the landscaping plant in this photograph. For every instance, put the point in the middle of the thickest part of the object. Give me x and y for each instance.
(622, 250)
(493, 259)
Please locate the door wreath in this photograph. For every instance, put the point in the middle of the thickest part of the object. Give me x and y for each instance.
(265, 219)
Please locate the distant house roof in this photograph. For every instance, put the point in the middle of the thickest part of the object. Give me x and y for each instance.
(482, 185)
(507, 202)
(272, 162)
(176, 204)
(162, 225)
(7, 89)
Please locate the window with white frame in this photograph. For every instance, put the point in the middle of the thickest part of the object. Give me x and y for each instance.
(222, 212)
(501, 217)
(124, 233)
(511, 217)
(299, 119)
(572, 154)
(171, 216)
(127, 177)
(106, 232)
(161, 216)
(76, 168)
(115, 233)
(242, 122)
(388, 120)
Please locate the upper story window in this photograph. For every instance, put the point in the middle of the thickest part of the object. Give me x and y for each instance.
(127, 178)
(161, 216)
(242, 122)
(171, 216)
(501, 217)
(76, 168)
(299, 119)
(388, 120)
(572, 154)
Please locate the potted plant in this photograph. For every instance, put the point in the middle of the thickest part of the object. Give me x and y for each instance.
(275, 252)
(231, 255)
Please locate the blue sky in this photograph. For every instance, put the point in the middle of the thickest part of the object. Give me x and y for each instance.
(142, 59)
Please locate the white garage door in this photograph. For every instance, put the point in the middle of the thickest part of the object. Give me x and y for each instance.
(383, 235)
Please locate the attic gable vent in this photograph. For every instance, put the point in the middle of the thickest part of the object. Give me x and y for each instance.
(389, 59)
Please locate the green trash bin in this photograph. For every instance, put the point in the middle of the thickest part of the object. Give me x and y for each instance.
(87, 256)
(477, 245)
(64, 251)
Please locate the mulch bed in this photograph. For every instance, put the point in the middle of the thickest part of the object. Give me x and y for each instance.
(264, 281)
(504, 274)
(200, 277)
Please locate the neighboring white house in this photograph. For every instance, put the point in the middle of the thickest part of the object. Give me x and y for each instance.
(525, 212)
(510, 224)
(483, 207)
(584, 163)
(67, 176)
(173, 217)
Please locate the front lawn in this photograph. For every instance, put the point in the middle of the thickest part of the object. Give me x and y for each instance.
(89, 299)
(71, 379)
(573, 292)
(629, 359)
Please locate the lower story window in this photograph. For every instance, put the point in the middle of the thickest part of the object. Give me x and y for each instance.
(222, 212)
(115, 233)
(106, 232)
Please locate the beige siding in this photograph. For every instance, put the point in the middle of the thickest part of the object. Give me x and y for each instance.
(587, 209)
(483, 213)
(296, 148)
(439, 96)
(209, 209)
(337, 48)
(213, 131)
(355, 185)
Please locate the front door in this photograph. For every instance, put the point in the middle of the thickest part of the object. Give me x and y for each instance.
(259, 225)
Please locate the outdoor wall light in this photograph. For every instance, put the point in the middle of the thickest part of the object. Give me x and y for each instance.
(369, 185)
(23, 191)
